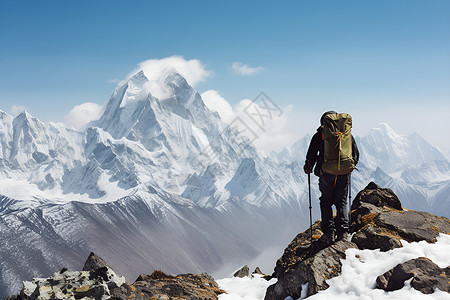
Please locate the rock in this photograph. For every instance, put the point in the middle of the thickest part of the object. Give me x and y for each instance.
(258, 271)
(302, 263)
(72, 285)
(377, 196)
(94, 262)
(426, 276)
(373, 237)
(96, 292)
(162, 286)
(242, 272)
(379, 224)
(98, 281)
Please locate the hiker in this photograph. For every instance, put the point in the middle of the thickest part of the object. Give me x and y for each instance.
(333, 188)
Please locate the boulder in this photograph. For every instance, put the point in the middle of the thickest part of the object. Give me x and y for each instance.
(375, 195)
(426, 276)
(258, 271)
(162, 286)
(242, 272)
(98, 281)
(378, 222)
(94, 262)
(304, 263)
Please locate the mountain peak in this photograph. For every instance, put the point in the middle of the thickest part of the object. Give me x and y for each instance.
(139, 77)
(25, 118)
(24, 114)
(175, 77)
(386, 130)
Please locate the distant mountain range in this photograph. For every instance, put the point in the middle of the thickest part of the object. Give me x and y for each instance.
(167, 183)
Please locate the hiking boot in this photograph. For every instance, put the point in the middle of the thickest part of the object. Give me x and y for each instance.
(326, 239)
(342, 236)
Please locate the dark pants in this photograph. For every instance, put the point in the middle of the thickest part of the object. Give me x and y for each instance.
(334, 189)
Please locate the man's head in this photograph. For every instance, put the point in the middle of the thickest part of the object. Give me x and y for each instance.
(326, 113)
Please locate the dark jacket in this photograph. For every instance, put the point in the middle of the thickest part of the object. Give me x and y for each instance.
(315, 152)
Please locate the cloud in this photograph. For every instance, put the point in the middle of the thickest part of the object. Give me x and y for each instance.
(270, 130)
(192, 70)
(275, 130)
(157, 70)
(214, 101)
(244, 69)
(112, 81)
(82, 114)
(17, 109)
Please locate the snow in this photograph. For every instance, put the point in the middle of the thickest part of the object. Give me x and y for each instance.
(244, 288)
(30, 193)
(143, 141)
(358, 277)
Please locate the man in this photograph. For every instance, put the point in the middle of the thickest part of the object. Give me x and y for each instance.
(333, 188)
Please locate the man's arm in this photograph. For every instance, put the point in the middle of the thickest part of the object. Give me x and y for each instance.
(355, 151)
(313, 152)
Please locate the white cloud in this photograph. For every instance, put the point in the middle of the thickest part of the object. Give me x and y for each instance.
(192, 70)
(17, 109)
(82, 114)
(278, 130)
(156, 70)
(244, 69)
(214, 101)
(112, 81)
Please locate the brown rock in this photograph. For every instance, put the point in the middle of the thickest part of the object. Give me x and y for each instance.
(377, 196)
(242, 272)
(426, 276)
(302, 263)
(94, 262)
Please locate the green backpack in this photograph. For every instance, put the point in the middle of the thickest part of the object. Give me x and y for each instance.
(337, 139)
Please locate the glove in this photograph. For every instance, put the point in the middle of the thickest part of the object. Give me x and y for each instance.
(306, 169)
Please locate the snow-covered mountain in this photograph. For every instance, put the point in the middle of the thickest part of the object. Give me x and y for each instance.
(168, 183)
(162, 179)
(416, 170)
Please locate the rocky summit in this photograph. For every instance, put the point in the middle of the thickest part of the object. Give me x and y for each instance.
(98, 281)
(378, 221)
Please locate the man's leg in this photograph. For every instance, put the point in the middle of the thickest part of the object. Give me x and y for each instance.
(340, 193)
(326, 201)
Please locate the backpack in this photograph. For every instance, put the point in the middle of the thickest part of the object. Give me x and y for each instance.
(337, 139)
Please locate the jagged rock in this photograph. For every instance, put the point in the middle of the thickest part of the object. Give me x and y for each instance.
(296, 251)
(242, 272)
(162, 286)
(98, 281)
(426, 276)
(301, 264)
(373, 237)
(258, 271)
(379, 224)
(94, 262)
(377, 196)
(72, 285)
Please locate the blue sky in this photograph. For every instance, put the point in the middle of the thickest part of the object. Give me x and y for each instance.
(381, 61)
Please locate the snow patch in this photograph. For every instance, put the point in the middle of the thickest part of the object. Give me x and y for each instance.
(244, 288)
(357, 281)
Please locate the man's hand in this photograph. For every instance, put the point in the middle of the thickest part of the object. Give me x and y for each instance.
(306, 169)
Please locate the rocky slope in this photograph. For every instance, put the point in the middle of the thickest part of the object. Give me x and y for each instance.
(98, 281)
(378, 222)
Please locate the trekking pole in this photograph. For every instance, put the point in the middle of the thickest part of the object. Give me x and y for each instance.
(310, 207)
(349, 201)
